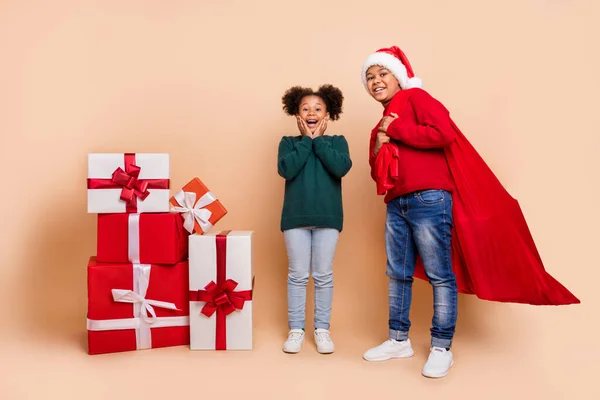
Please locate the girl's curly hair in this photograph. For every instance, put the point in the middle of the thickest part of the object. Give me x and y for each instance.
(331, 95)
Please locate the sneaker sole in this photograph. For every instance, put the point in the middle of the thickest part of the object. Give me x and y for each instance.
(440, 375)
(291, 352)
(325, 352)
(405, 354)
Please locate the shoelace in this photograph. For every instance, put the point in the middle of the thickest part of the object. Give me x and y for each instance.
(323, 337)
(437, 352)
(295, 336)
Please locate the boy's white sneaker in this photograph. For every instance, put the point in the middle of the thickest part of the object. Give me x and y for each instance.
(390, 349)
(294, 341)
(438, 364)
(323, 341)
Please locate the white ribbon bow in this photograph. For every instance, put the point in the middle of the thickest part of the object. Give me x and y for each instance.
(129, 296)
(191, 211)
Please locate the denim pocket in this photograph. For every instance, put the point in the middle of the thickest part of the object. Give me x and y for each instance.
(431, 197)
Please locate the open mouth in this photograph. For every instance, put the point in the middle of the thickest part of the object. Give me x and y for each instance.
(378, 90)
(311, 123)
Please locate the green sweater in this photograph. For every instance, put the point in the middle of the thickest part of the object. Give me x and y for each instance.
(313, 171)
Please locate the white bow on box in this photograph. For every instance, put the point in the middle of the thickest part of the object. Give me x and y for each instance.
(194, 211)
(146, 310)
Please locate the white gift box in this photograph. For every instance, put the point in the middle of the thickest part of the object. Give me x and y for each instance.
(128, 183)
(221, 285)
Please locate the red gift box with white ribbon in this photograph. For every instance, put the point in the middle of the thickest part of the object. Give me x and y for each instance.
(141, 238)
(137, 306)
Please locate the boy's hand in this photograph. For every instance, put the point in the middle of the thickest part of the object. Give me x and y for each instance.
(382, 139)
(386, 121)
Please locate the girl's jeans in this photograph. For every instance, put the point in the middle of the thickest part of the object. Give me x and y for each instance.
(301, 243)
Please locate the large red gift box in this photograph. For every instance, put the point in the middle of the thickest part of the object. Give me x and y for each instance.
(141, 238)
(137, 306)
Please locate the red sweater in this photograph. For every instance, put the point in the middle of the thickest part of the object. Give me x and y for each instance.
(421, 131)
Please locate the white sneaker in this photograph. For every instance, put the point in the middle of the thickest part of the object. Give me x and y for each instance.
(438, 364)
(294, 342)
(389, 349)
(323, 341)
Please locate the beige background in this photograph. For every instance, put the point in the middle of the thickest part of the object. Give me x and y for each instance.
(202, 80)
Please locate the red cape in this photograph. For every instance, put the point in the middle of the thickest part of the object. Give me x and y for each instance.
(493, 253)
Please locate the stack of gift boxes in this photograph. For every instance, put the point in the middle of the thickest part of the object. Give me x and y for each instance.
(161, 276)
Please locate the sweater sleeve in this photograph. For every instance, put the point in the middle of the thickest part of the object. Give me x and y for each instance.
(433, 128)
(335, 156)
(292, 156)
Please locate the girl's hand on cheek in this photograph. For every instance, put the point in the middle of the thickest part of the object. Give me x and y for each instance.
(302, 127)
(321, 128)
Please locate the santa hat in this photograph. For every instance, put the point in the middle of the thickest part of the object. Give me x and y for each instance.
(396, 62)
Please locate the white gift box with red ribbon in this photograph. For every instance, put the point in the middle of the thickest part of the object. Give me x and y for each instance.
(221, 290)
(128, 183)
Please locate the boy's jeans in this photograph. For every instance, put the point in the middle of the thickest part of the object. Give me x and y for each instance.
(300, 243)
(421, 222)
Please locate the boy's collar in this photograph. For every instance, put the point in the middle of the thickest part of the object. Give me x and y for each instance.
(392, 100)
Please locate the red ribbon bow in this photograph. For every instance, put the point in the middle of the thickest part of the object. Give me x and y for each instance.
(222, 297)
(132, 187)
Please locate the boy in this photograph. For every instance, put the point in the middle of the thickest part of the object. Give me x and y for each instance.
(419, 207)
(449, 220)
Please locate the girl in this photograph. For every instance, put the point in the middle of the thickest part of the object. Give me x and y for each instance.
(312, 165)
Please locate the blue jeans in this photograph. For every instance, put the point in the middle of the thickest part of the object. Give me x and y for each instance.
(300, 243)
(421, 222)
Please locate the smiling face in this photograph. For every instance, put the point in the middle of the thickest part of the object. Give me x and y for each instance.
(312, 110)
(382, 84)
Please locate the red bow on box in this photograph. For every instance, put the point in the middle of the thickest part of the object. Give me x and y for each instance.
(221, 297)
(132, 187)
